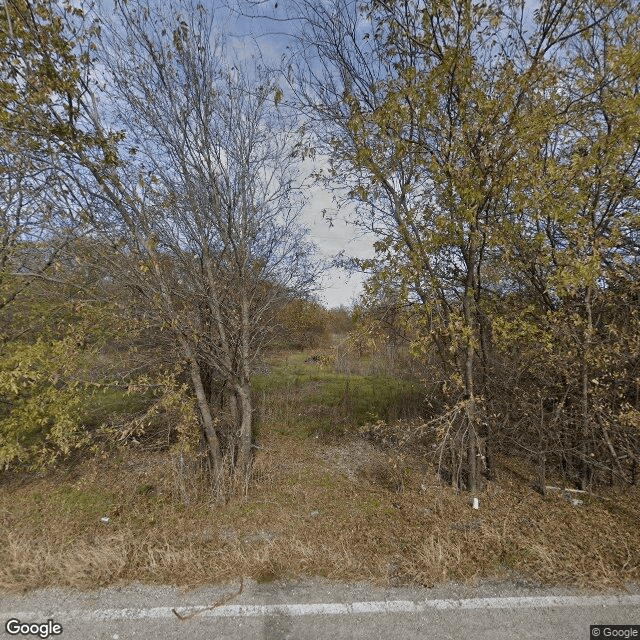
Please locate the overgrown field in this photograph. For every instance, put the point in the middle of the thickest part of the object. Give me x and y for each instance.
(324, 501)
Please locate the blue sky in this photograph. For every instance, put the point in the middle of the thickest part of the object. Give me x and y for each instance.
(247, 37)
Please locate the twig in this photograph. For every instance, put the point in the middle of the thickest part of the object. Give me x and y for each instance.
(593, 495)
(219, 603)
(561, 489)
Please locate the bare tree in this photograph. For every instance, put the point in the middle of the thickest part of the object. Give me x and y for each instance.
(28, 239)
(197, 188)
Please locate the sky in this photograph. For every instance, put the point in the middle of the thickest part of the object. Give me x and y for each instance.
(338, 287)
(248, 36)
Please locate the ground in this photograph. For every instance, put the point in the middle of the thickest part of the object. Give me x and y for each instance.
(323, 501)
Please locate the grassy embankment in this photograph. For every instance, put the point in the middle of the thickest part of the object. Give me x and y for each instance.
(323, 502)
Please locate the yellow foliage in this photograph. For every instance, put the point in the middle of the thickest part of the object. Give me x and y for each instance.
(41, 417)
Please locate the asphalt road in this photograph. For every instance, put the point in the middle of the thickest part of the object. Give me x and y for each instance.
(322, 609)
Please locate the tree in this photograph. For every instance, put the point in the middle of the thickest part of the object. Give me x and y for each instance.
(43, 72)
(43, 69)
(303, 324)
(195, 188)
(577, 216)
(435, 111)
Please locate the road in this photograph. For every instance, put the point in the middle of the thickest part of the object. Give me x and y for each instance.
(323, 610)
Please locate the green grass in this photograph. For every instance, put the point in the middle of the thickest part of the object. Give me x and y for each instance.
(366, 398)
(82, 506)
(292, 372)
(99, 404)
(300, 398)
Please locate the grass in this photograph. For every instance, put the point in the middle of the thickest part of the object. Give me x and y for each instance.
(305, 398)
(321, 523)
(102, 403)
(317, 506)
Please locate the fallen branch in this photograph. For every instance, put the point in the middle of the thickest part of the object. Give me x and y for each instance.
(593, 495)
(219, 603)
(561, 489)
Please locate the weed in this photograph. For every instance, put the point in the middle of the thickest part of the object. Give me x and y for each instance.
(145, 489)
(371, 505)
(51, 534)
(82, 504)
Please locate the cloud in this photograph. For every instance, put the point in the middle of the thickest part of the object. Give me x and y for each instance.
(339, 287)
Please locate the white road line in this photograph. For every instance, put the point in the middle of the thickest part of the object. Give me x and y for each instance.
(332, 608)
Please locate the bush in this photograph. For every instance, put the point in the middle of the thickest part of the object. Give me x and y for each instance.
(41, 412)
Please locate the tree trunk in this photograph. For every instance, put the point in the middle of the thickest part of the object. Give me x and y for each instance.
(455, 473)
(585, 427)
(467, 309)
(208, 426)
(586, 346)
(471, 451)
(488, 454)
(542, 474)
(243, 393)
(207, 420)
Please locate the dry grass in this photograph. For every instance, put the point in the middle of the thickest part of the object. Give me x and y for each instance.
(315, 508)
